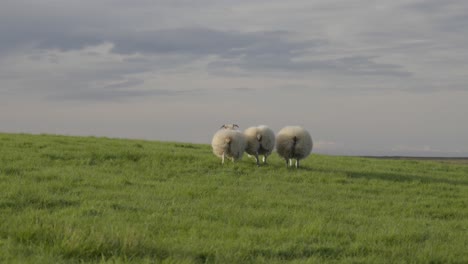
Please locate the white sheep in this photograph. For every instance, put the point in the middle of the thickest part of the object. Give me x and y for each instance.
(228, 143)
(293, 142)
(260, 141)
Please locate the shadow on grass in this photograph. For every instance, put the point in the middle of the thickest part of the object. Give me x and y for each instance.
(403, 178)
(377, 175)
(324, 252)
(394, 177)
(36, 203)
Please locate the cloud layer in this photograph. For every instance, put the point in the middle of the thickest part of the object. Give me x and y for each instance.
(336, 39)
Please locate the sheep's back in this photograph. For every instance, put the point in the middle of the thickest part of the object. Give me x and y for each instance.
(238, 145)
(220, 145)
(303, 146)
(284, 145)
(268, 139)
(252, 141)
(285, 141)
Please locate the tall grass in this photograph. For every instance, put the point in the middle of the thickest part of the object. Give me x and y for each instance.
(99, 200)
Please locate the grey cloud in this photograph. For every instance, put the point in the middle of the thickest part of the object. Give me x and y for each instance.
(446, 16)
(258, 51)
(67, 41)
(261, 50)
(240, 52)
(119, 94)
(243, 89)
(73, 26)
(252, 50)
(200, 41)
(47, 35)
(366, 65)
(48, 24)
(435, 6)
(124, 84)
(285, 63)
(456, 24)
(266, 47)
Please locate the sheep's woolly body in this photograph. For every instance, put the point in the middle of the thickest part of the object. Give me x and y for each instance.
(293, 142)
(228, 143)
(260, 141)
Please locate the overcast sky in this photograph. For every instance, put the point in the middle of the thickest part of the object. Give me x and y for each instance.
(365, 77)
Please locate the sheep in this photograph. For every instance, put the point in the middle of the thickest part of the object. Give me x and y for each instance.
(228, 143)
(260, 141)
(293, 142)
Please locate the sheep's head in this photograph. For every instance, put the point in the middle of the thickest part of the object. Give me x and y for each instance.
(230, 126)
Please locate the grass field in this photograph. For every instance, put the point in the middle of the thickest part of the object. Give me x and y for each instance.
(99, 200)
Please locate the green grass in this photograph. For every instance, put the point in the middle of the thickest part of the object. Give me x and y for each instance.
(99, 200)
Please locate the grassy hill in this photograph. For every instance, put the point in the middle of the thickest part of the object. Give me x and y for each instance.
(84, 199)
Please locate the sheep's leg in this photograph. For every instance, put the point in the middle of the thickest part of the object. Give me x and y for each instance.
(222, 158)
(256, 159)
(287, 163)
(297, 163)
(290, 162)
(264, 158)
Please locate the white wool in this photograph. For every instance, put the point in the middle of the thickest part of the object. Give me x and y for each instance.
(228, 143)
(260, 141)
(293, 142)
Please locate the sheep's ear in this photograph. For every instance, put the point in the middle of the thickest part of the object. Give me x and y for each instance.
(223, 126)
(235, 125)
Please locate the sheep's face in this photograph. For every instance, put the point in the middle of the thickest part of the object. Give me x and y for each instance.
(230, 126)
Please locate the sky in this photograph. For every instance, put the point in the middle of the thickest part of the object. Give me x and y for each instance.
(364, 77)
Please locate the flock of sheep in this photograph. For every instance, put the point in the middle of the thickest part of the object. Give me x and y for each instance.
(292, 142)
